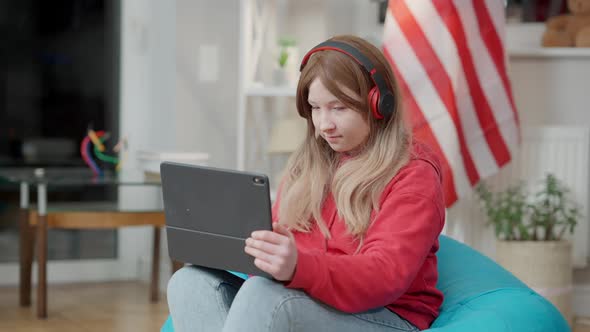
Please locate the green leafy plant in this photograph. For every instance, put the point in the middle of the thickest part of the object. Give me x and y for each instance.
(516, 216)
(284, 43)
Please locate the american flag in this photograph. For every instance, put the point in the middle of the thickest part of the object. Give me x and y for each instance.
(450, 61)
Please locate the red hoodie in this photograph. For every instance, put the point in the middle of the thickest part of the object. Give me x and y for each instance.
(396, 266)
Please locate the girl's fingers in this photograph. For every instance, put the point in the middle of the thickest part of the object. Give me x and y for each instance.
(268, 236)
(267, 247)
(257, 253)
(264, 266)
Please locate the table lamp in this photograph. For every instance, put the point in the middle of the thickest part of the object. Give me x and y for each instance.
(287, 134)
(285, 137)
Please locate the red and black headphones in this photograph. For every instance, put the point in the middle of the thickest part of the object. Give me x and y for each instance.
(381, 99)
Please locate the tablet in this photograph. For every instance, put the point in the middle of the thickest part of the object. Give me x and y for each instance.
(211, 211)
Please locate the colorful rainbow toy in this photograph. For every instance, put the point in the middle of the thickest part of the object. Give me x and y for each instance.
(93, 143)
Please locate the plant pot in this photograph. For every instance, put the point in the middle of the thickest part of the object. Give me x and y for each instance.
(280, 77)
(545, 266)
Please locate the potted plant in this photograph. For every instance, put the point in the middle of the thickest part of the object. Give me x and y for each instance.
(286, 72)
(530, 233)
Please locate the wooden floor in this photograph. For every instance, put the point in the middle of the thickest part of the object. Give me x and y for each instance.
(117, 307)
(582, 325)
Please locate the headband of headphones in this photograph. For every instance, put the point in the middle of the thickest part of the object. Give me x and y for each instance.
(386, 100)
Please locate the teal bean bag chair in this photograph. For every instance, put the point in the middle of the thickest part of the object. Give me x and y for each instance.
(481, 296)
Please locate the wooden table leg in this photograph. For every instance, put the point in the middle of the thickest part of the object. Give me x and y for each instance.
(26, 249)
(42, 266)
(154, 289)
(42, 250)
(176, 265)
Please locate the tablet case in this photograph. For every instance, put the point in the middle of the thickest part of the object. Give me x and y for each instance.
(211, 211)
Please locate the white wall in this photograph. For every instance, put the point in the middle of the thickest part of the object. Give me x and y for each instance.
(147, 103)
(207, 78)
(178, 92)
(147, 106)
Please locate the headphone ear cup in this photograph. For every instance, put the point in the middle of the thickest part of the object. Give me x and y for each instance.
(374, 102)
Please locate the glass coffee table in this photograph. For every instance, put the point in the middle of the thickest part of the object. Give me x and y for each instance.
(36, 219)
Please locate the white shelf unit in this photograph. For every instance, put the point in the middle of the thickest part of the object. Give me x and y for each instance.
(255, 22)
(260, 104)
(544, 52)
(523, 40)
(261, 23)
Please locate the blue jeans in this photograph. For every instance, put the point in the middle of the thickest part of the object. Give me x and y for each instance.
(203, 299)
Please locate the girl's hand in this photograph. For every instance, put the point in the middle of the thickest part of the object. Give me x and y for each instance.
(275, 252)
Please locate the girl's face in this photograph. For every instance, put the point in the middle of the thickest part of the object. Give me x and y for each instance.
(344, 129)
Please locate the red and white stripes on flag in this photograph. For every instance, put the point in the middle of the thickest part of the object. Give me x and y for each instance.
(450, 62)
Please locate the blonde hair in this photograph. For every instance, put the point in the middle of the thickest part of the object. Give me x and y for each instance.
(314, 170)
